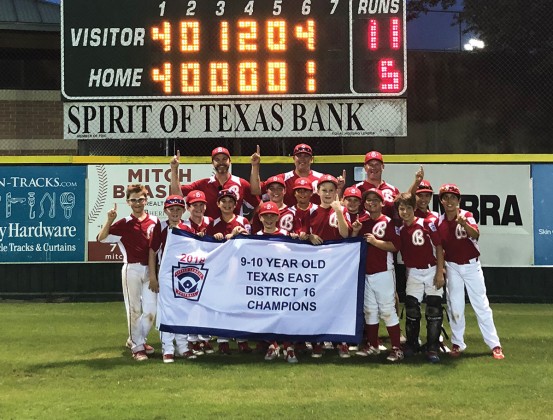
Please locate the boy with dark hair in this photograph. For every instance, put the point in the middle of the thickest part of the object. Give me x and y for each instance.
(133, 234)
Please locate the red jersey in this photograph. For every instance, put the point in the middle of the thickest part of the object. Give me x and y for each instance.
(159, 237)
(324, 224)
(352, 217)
(389, 192)
(382, 228)
(220, 226)
(302, 218)
(211, 187)
(418, 243)
(285, 220)
(458, 246)
(432, 215)
(289, 180)
(133, 237)
(190, 226)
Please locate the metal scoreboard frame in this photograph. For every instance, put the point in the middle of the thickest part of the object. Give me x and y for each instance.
(123, 60)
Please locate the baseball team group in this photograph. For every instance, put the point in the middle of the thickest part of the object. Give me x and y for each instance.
(440, 252)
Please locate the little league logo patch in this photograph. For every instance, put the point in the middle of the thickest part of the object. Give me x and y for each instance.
(188, 281)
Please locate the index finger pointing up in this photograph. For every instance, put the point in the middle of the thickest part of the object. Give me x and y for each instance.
(258, 151)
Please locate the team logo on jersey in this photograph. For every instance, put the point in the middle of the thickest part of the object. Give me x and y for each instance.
(188, 281)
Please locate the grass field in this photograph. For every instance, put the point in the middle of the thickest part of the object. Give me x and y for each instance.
(69, 361)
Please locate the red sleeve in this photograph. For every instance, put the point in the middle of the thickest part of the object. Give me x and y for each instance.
(155, 240)
(118, 228)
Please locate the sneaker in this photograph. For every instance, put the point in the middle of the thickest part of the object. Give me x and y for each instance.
(455, 351)
(367, 351)
(432, 357)
(243, 347)
(140, 356)
(343, 351)
(207, 347)
(317, 351)
(224, 348)
(272, 352)
(168, 358)
(291, 355)
(196, 348)
(395, 355)
(382, 347)
(308, 346)
(353, 348)
(327, 345)
(149, 349)
(189, 355)
(498, 353)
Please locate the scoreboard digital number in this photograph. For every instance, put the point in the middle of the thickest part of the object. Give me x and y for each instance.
(198, 49)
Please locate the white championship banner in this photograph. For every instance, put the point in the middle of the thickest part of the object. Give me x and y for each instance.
(262, 288)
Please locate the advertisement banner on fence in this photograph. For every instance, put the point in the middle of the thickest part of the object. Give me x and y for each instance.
(542, 177)
(236, 119)
(107, 185)
(42, 213)
(255, 287)
(499, 196)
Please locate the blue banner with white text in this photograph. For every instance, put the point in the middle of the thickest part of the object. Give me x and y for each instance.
(42, 213)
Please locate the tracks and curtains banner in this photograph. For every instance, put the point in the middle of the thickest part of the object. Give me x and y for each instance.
(262, 288)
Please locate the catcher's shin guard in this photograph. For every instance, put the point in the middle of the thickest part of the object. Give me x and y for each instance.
(434, 318)
(412, 321)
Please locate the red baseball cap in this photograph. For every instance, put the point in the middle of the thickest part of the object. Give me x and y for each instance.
(424, 187)
(220, 150)
(303, 184)
(374, 155)
(328, 178)
(303, 148)
(173, 200)
(227, 193)
(373, 191)
(275, 180)
(352, 192)
(195, 196)
(268, 207)
(449, 189)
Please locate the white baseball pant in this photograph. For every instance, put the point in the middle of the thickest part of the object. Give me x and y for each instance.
(470, 276)
(420, 281)
(380, 298)
(140, 303)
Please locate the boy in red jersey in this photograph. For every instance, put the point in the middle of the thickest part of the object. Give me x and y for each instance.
(269, 216)
(459, 234)
(276, 189)
(423, 256)
(227, 227)
(352, 204)
(379, 303)
(174, 209)
(303, 208)
(133, 234)
(221, 180)
(197, 223)
(327, 223)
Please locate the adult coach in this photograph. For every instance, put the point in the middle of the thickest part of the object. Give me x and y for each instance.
(221, 180)
(459, 234)
(374, 166)
(303, 158)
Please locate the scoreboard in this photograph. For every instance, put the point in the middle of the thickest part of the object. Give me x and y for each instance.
(230, 49)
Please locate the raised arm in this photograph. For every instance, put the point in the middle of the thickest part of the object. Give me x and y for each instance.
(255, 181)
(112, 215)
(175, 184)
